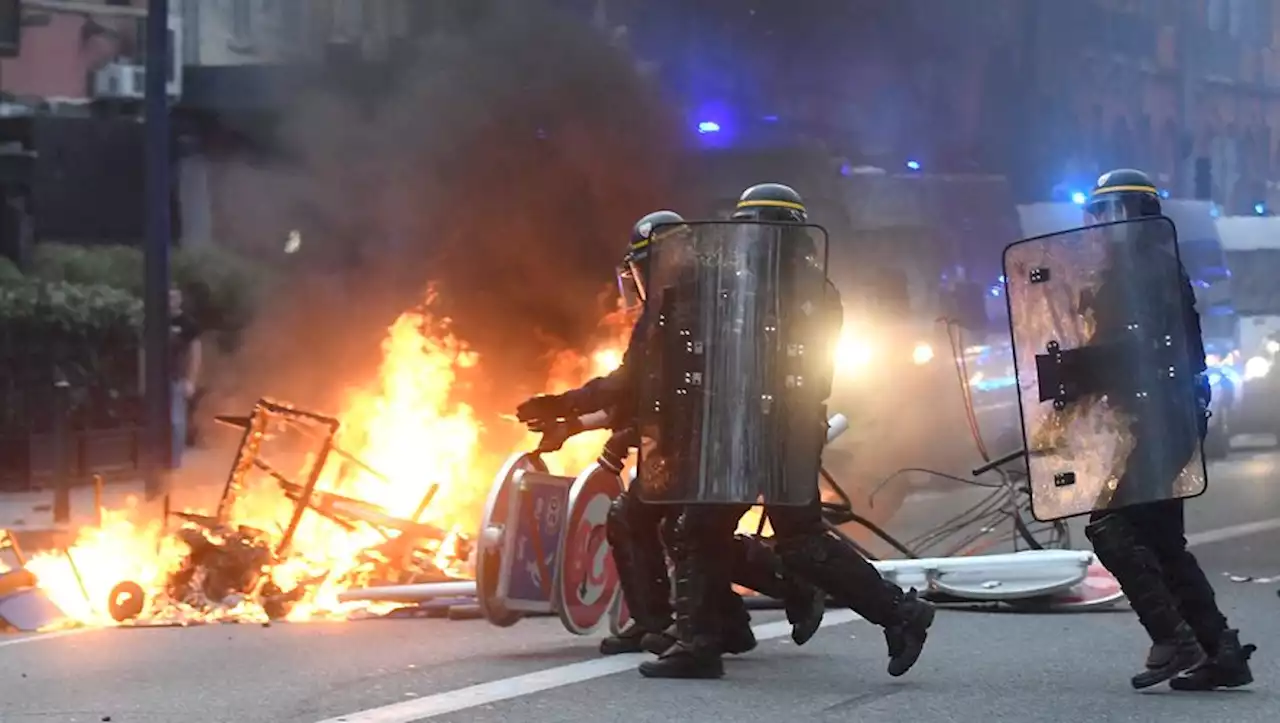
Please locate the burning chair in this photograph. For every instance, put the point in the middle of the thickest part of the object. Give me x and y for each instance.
(240, 552)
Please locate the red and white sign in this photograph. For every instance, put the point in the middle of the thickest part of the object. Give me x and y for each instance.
(619, 616)
(587, 581)
(1098, 588)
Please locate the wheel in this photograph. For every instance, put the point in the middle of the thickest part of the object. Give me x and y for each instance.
(1217, 443)
(127, 601)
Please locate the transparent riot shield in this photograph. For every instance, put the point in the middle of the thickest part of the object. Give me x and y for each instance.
(1105, 379)
(730, 379)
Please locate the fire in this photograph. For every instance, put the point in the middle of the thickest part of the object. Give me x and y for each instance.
(412, 424)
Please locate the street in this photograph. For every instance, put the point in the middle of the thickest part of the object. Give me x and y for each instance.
(978, 666)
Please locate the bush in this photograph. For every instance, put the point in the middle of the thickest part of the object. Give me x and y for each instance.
(220, 288)
(9, 273)
(119, 267)
(85, 334)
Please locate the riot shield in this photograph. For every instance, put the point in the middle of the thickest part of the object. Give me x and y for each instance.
(730, 379)
(1106, 384)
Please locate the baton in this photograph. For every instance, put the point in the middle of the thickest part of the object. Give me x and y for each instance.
(997, 462)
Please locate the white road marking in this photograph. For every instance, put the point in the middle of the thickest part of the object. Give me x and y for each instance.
(497, 691)
(38, 637)
(1222, 534)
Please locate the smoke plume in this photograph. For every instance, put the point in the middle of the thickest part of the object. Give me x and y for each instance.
(503, 163)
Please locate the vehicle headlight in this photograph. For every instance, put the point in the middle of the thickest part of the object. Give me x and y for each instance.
(1256, 368)
(853, 352)
(922, 354)
(1273, 346)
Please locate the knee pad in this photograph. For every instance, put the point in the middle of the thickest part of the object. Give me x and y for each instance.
(1117, 546)
(1110, 531)
(618, 523)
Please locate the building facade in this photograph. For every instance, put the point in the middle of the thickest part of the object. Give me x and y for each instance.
(59, 45)
(1157, 84)
(1048, 92)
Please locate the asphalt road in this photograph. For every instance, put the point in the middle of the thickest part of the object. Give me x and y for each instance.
(979, 666)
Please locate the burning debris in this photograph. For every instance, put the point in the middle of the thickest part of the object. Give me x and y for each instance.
(311, 507)
(232, 566)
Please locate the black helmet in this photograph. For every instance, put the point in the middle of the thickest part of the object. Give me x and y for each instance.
(771, 202)
(643, 230)
(1122, 194)
(630, 278)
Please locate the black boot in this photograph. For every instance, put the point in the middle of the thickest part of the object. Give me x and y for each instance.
(805, 607)
(906, 638)
(738, 637)
(1135, 567)
(634, 543)
(701, 582)
(1227, 668)
(757, 567)
(1186, 655)
(629, 640)
(1161, 653)
(659, 643)
(836, 567)
(683, 661)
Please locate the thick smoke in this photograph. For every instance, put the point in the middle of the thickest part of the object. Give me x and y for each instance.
(504, 164)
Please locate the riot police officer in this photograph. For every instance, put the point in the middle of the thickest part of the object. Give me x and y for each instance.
(633, 526)
(802, 540)
(1144, 545)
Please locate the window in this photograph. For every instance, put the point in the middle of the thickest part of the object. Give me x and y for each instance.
(1248, 20)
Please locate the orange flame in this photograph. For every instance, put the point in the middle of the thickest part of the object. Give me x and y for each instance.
(412, 424)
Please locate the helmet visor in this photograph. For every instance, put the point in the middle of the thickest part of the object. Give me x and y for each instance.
(1110, 207)
(631, 283)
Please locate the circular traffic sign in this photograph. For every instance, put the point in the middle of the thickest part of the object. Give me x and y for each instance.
(1099, 588)
(586, 580)
(619, 615)
(489, 545)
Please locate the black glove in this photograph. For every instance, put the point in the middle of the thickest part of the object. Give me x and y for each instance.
(556, 433)
(614, 455)
(542, 410)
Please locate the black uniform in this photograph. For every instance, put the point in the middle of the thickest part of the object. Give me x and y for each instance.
(633, 528)
(802, 541)
(1144, 545)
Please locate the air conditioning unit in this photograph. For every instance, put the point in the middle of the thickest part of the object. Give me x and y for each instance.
(120, 81)
(125, 80)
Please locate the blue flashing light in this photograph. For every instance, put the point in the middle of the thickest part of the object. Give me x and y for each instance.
(1001, 279)
(1078, 198)
(913, 165)
(995, 290)
(1214, 211)
(1164, 193)
(770, 119)
(708, 127)
(1260, 209)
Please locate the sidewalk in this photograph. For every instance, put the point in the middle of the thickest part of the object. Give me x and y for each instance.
(197, 484)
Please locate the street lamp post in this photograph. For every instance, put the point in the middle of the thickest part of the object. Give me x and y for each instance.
(159, 427)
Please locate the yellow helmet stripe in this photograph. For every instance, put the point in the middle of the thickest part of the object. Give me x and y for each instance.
(1125, 189)
(644, 242)
(772, 204)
